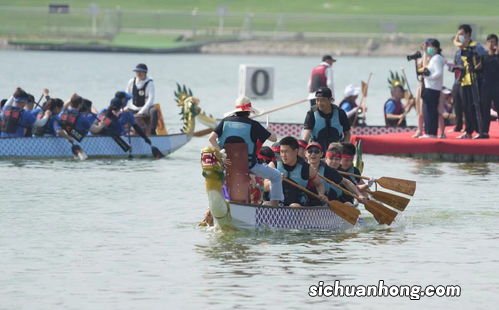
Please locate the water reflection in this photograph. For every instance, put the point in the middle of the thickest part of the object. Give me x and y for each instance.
(309, 247)
(428, 168)
(482, 169)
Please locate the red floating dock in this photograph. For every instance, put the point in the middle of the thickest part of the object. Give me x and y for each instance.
(448, 149)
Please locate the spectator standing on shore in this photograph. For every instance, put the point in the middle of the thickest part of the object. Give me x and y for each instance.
(321, 76)
(467, 60)
(433, 74)
(490, 85)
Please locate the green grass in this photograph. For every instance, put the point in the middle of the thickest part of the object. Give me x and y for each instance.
(121, 27)
(384, 7)
(121, 40)
(157, 41)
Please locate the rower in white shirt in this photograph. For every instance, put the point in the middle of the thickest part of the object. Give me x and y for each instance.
(141, 88)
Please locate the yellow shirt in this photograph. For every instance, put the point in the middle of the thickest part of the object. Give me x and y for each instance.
(466, 75)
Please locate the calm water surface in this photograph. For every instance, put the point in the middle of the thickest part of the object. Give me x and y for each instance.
(122, 234)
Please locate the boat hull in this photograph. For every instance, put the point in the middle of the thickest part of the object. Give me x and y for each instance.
(449, 149)
(303, 218)
(94, 146)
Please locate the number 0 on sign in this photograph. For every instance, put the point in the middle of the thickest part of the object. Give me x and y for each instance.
(256, 82)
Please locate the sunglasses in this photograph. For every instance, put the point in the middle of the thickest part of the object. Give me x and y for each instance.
(313, 151)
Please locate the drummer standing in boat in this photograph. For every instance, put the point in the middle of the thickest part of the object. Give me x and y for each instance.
(321, 76)
(141, 88)
(326, 123)
(238, 127)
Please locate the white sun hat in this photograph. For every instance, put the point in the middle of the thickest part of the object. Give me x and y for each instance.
(351, 90)
(242, 104)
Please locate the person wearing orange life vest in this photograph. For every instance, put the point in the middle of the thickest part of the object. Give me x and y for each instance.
(321, 76)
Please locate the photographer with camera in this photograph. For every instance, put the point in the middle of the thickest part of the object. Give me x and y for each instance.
(433, 75)
(467, 61)
(418, 101)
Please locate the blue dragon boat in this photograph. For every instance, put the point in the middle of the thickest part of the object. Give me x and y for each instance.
(105, 146)
(94, 146)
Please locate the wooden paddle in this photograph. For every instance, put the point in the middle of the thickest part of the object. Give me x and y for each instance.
(381, 213)
(364, 89)
(407, 187)
(78, 151)
(349, 214)
(156, 153)
(202, 133)
(282, 107)
(206, 131)
(394, 201)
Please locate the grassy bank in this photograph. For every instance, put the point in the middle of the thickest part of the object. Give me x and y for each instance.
(174, 23)
(379, 7)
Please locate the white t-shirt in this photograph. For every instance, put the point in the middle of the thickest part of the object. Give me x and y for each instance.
(436, 78)
(149, 94)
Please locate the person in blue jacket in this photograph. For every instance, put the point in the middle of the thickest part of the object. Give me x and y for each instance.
(15, 120)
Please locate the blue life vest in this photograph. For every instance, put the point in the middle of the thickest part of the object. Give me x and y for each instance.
(112, 125)
(335, 192)
(399, 109)
(327, 186)
(332, 192)
(11, 119)
(238, 132)
(355, 180)
(74, 126)
(299, 175)
(326, 131)
(69, 118)
(48, 128)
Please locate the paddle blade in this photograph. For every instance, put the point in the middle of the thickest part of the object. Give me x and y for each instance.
(407, 187)
(382, 214)
(392, 200)
(156, 152)
(364, 88)
(78, 152)
(349, 214)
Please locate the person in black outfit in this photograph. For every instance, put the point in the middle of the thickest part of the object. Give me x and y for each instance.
(490, 83)
(467, 63)
(326, 123)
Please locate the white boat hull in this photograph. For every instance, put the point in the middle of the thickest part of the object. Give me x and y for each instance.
(303, 218)
(94, 146)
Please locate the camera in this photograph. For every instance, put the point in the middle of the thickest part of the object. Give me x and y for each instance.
(414, 56)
